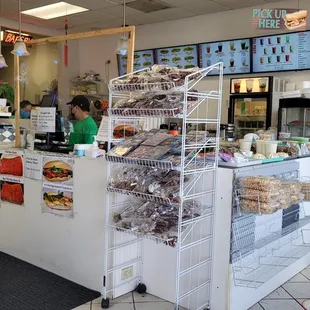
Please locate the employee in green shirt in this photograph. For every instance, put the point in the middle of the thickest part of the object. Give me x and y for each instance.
(85, 128)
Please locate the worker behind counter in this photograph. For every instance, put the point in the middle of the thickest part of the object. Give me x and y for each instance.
(85, 128)
(25, 110)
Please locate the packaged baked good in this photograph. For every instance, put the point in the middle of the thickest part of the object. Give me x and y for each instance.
(262, 183)
(305, 187)
(156, 139)
(259, 207)
(149, 152)
(258, 195)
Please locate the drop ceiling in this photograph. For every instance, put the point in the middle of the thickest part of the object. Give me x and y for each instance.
(108, 13)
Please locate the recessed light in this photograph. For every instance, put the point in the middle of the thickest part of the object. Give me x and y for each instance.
(55, 10)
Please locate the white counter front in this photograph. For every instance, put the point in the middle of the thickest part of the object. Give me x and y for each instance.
(70, 247)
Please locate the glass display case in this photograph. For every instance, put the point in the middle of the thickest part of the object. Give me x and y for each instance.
(294, 117)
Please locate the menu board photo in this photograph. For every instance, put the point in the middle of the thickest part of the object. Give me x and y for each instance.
(235, 54)
(142, 59)
(282, 52)
(182, 57)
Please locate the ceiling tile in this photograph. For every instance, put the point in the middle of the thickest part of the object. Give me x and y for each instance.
(237, 4)
(121, 1)
(205, 7)
(93, 17)
(92, 4)
(117, 11)
(173, 13)
(178, 3)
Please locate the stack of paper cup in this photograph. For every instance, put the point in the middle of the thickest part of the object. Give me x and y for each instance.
(245, 145)
(270, 147)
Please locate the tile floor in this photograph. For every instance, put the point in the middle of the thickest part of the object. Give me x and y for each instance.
(290, 296)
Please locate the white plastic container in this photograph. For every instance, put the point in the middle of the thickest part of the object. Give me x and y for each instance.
(94, 151)
(260, 147)
(245, 145)
(80, 149)
(270, 147)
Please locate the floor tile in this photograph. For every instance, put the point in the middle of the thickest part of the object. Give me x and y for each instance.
(117, 306)
(145, 298)
(282, 304)
(155, 306)
(298, 290)
(85, 307)
(124, 298)
(299, 278)
(279, 293)
(256, 307)
(306, 273)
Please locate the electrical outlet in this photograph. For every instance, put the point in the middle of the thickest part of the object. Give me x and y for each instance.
(127, 273)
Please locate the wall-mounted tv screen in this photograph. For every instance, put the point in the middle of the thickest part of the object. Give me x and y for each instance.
(142, 59)
(235, 54)
(183, 57)
(283, 52)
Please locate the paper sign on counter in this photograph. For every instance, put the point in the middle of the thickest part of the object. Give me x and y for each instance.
(46, 119)
(102, 135)
(33, 166)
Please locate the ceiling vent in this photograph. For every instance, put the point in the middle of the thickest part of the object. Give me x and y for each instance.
(148, 6)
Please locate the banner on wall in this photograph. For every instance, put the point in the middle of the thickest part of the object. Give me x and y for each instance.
(273, 19)
(12, 177)
(57, 186)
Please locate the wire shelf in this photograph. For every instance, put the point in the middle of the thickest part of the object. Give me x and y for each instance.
(141, 196)
(255, 269)
(144, 87)
(159, 240)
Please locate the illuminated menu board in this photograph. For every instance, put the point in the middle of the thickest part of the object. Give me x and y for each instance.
(235, 55)
(282, 52)
(142, 59)
(183, 57)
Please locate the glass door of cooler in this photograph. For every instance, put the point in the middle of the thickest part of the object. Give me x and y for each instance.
(250, 115)
(295, 120)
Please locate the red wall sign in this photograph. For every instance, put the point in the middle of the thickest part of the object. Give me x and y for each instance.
(9, 37)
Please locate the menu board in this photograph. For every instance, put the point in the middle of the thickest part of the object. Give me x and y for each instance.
(142, 59)
(282, 52)
(235, 55)
(183, 57)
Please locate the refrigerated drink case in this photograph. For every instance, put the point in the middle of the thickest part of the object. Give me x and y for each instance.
(294, 117)
(250, 115)
(254, 104)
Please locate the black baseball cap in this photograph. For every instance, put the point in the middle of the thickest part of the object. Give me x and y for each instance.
(80, 101)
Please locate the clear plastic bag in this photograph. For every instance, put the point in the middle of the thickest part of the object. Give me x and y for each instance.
(261, 183)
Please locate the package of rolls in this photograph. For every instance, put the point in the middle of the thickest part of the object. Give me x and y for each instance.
(266, 195)
(305, 187)
(259, 194)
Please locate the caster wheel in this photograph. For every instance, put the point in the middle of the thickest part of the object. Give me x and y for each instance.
(141, 288)
(105, 303)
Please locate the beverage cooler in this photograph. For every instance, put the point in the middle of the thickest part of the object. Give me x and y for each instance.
(254, 104)
(294, 117)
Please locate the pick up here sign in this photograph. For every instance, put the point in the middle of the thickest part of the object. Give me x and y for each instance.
(274, 19)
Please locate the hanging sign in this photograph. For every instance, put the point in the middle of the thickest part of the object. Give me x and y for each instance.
(272, 19)
(10, 37)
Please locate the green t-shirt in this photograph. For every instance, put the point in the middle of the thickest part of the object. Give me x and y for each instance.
(83, 131)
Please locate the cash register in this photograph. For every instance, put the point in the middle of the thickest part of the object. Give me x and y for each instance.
(51, 141)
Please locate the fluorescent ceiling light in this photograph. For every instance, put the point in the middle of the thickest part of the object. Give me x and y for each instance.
(55, 10)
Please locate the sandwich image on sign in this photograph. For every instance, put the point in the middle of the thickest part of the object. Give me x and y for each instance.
(297, 20)
(57, 171)
(61, 201)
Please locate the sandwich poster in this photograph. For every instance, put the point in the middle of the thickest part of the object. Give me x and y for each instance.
(12, 177)
(57, 186)
(273, 19)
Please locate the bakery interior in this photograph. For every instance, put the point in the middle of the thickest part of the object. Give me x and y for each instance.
(201, 154)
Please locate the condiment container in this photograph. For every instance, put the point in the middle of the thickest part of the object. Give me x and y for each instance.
(245, 145)
(79, 149)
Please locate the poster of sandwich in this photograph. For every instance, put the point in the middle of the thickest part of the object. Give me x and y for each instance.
(57, 186)
(12, 177)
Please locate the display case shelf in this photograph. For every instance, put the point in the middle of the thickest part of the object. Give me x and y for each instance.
(142, 196)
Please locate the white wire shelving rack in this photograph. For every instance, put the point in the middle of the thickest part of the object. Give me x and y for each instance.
(263, 245)
(193, 236)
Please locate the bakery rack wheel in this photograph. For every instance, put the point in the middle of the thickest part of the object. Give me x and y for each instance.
(105, 303)
(141, 288)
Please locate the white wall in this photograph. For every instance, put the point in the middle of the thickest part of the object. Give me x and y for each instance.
(205, 28)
